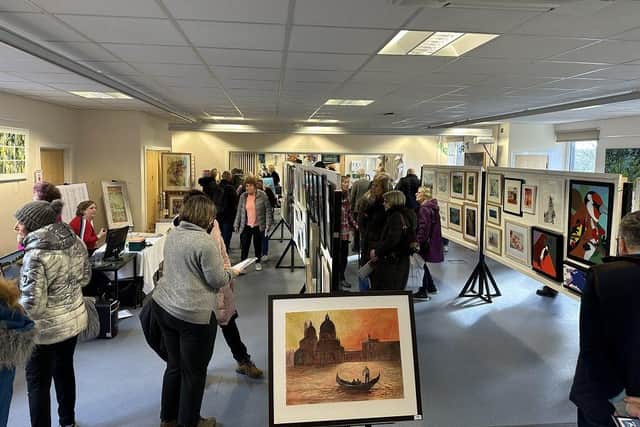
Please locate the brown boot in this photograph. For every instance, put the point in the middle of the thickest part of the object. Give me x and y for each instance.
(207, 422)
(249, 369)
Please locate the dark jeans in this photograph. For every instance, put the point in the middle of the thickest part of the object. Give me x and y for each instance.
(189, 349)
(232, 337)
(53, 361)
(265, 243)
(356, 235)
(245, 241)
(583, 421)
(6, 391)
(427, 281)
(227, 231)
(344, 257)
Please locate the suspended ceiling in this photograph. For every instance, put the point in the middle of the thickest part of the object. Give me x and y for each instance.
(278, 61)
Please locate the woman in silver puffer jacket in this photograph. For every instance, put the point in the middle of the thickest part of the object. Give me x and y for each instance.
(55, 268)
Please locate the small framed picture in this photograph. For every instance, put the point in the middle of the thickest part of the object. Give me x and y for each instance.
(493, 214)
(470, 223)
(442, 184)
(176, 171)
(457, 185)
(516, 239)
(546, 253)
(626, 421)
(494, 188)
(443, 208)
(471, 186)
(493, 243)
(574, 277)
(513, 196)
(529, 197)
(455, 216)
(429, 181)
(175, 204)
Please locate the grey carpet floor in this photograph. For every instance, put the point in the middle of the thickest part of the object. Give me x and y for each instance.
(509, 363)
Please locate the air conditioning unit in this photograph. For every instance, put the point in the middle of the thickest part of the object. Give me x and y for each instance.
(486, 4)
(484, 140)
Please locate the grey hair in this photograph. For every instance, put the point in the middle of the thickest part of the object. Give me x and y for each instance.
(630, 229)
(395, 198)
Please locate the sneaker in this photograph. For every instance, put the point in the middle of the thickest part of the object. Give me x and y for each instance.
(345, 284)
(258, 266)
(546, 291)
(422, 294)
(249, 369)
(433, 290)
(446, 249)
(264, 258)
(173, 423)
(207, 422)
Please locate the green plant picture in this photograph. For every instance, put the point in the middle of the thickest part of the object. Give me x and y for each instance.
(13, 155)
(625, 161)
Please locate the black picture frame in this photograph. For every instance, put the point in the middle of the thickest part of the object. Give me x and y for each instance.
(505, 197)
(349, 421)
(556, 245)
(572, 227)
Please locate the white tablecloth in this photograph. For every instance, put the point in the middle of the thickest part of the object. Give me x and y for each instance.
(148, 261)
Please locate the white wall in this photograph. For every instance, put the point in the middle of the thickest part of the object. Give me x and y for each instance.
(47, 124)
(533, 138)
(614, 133)
(212, 149)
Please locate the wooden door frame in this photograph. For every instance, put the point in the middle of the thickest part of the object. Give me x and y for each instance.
(143, 180)
(68, 159)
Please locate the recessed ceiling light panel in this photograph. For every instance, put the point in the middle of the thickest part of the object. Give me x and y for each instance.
(349, 102)
(439, 43)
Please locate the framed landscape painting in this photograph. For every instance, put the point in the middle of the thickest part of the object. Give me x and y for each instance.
(341, 360)
(455, 216)
(176, 171)
(494, 188)
(116, 204)
(589, 221)
(516, 242)
(546, 253)
(512, 202)
(457, 185)
(442, 184)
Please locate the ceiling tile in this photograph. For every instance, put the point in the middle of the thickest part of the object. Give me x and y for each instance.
(242, 58)
(17, 6)
(40, 27)
(54, 77)
(469, 20)
(407, 64)
(352, 13)
(193, 81)
(527, 47)
(316, 75)
(338, 40)
(234, 35)
(619, 72)
(173, 70)
(524, 67)
(126, 30)
(265, 11)
(138, 8)
(150, 53)
(7, 77)
(251, 84)
(226, 73)
(81, 86)
(325, 61)
(606, 51)
(111, 67)
(82, 51)
(577, 83)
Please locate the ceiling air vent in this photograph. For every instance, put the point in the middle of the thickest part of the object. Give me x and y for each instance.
(487, 4)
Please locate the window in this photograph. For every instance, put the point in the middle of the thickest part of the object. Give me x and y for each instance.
(455, 153)
(582, 156)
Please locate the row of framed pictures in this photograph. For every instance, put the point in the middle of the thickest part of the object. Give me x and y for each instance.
(516, 197)
(454, 185)
(463, 218)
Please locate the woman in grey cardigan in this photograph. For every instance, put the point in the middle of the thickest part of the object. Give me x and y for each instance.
(253, 218)
(183, 304)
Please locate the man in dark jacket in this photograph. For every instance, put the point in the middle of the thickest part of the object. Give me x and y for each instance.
(608, 368)
(229, 201)
(409, 186)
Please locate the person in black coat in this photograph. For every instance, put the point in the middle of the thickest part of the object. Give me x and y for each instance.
(372, 216)
(608, 368)
(409, 186)
(229, 205)
(391, 255)
(273, 174)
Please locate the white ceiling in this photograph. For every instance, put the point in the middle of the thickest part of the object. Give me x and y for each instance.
(280, 60)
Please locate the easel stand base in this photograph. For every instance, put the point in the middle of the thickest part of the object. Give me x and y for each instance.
(481, 276)
(292, 266)
(281, 225)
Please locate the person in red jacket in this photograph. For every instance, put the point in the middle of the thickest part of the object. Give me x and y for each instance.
(82, 224)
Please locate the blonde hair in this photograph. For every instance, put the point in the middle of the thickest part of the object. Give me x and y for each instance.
(394, 198)
(428, 192)
(9, 293)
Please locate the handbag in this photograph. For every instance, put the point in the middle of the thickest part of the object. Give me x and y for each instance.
(366, 270)
(416, 273)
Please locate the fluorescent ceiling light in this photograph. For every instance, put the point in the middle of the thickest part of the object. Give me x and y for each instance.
(586, 108)
(100, 95)
(439, 43)
(322, 121)
(349, 102)
(225, 117)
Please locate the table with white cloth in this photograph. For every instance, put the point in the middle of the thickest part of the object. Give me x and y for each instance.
(148, 261)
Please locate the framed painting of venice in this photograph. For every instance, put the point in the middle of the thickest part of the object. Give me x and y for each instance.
(589, 223)
(546, 253)
(340, 360)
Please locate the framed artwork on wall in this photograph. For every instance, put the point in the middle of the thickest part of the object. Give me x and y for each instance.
(529, 195)
(513, 196)
(470, 223)
(471, 186)
(175, 204)
(342, 360)
(475, 159)
(589, 223)
(493, 214)
(443, 208)
(574, 277)
(546, 253)
(455, 216)
(442, 182)
(116, 204)
(551, 201)
(457, 185)
(516, 242)
(429, 181)
(13, 154)
(494, 188)
(493, 243)
(176, 171)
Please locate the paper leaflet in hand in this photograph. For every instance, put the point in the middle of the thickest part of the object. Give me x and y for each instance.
(244, 264)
